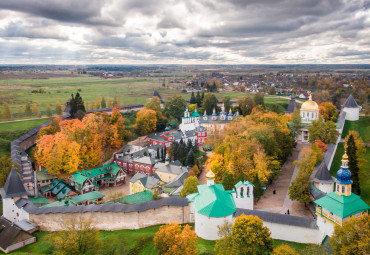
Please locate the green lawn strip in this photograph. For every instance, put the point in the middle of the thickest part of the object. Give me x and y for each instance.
(335, 165)
(21, 125)
(132, 238)
(362, 126)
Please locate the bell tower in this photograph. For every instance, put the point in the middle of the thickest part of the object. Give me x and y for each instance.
(343, 181)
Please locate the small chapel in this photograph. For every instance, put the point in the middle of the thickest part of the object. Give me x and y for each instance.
(337, 207)
(309, 111)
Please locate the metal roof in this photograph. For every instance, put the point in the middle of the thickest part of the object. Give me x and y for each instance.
(116, 207)
(351, 103)
(291, 106)
(10, 232)
(322, 173)
(13, 186)
(279, 218)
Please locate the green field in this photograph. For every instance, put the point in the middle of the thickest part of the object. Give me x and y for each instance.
(12, 130)
(128, 90)
(131, 238)
(361, 126)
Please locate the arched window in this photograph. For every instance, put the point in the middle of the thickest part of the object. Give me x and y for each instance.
(343, 188)
(241, 191)
(248, 191)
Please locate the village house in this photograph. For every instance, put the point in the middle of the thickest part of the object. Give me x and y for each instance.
(168, 137)
(140, 182)
(167, 171)
(90, 180)
(44, 178)
(93, 197)
(58, 188)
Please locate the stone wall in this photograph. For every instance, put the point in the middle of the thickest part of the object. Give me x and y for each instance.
(116, 220)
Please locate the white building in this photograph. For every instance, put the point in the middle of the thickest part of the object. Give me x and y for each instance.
(322, 179)
(243, 196)
(212, 206)
(13, 194)
(309, 112)
(352, 109)
(189, 122)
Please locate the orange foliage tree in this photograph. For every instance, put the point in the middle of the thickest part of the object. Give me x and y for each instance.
(146, 121)
(328, 111)
(66, 146)
(321, 145)
(172, 239)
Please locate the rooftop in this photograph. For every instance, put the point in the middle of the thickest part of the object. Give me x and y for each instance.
(137, 198)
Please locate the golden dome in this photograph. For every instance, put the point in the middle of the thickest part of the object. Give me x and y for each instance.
(345, 156)
(210, 175)
(309, 105)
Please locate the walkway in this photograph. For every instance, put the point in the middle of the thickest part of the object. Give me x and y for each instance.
(280, 202)
(9, 121)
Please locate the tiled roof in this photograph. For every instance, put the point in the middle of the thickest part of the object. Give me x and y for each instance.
(342, 206)
(322, 173)
(112, 169)
(10, 233)
(291, 106)
(44, 175)
(173, 169)
(148, 181)
(38, 200)
(79, 178)
(178, 181)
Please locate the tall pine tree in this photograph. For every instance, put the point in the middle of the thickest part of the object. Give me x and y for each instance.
(353, 164)
(77, 105)
(192, 98)
(199, 99)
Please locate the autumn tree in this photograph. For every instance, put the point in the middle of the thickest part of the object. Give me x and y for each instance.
(284, 249)
(209, 103)
(325, 131)
(175, 107)
(192, 107)
(103, 103)
(48, 110)
(78, 237)
(328, 111)
(7, 113)
(259, 99)
(296, 124)
(272, 91)
(247, 236)
(172, 239)
(28, 110)
(146, 122)
(36, 111)
(5, 167)
(155, 104)
(300, 188)
(227, 103)
(190, 186)
(353, 237)
(321, 145)
(245, 105)
(58, 108)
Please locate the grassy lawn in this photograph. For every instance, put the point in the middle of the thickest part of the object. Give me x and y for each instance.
(12, 130)
(362, 126)
(132, 238)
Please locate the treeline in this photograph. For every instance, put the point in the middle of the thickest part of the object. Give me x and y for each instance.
(30, 110)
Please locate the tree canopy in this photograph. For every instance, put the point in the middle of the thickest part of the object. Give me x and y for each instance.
(146, 122)
(209, 103)
(190, 186)
(323, 130)
(77, 106)
(66, 146)
(172, 239)
(246, 236)
(175, 107)
(328, 111)
(353, 237)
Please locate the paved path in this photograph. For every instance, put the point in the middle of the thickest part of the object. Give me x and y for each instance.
(9, 121)
(202, 177)
(280, 202)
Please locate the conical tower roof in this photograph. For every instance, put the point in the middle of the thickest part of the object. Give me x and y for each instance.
(292, 105)
(351, 103)
(13, 186)
(156, 94)
(322, 174)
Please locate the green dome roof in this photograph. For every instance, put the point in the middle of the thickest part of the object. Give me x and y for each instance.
(213, 201)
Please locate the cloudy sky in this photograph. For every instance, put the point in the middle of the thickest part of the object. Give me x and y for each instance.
(184, 32)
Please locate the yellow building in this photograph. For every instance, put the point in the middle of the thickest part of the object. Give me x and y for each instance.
(140, 182)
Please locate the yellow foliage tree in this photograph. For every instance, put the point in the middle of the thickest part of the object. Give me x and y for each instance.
(146, 121)
(171, 239)
(284, 249)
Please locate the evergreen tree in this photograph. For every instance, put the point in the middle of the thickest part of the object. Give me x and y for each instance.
(202, 96)
(77, 105)
(103, 103)
(228, 181)
(28, 110)
(189, 145)
(192, 98)
(259, 99)
(158, 153)
(190, 158)
(163, 153)
(257, 188)
(198, 99)
(353, 164)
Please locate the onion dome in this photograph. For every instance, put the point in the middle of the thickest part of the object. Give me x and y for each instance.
(343, 174)
(167, 129)
(230, 113)
(210, 175)
(214, 112)
(310, 105)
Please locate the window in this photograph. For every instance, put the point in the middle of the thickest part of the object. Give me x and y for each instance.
(248, 191)
(241, 191)
(337, 188)
(343, 188)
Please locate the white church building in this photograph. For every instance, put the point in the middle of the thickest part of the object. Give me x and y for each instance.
(352, 109)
